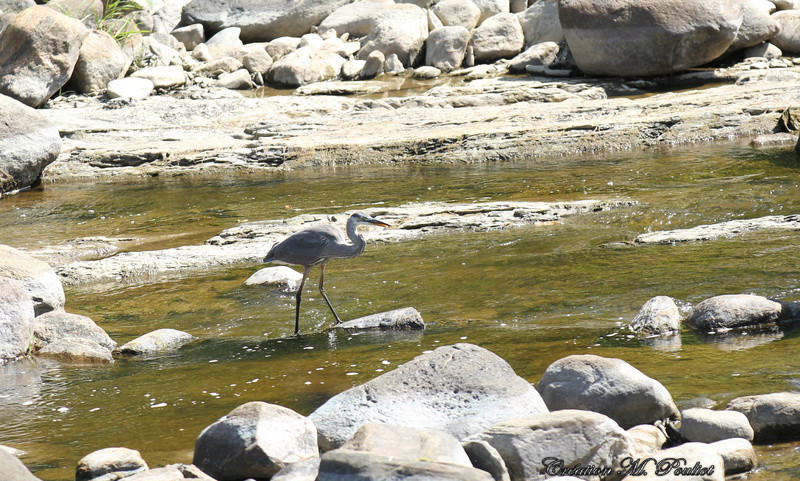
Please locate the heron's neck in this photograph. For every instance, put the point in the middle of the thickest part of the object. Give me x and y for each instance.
(356, 238)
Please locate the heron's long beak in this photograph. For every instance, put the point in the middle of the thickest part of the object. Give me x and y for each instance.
(380, 223)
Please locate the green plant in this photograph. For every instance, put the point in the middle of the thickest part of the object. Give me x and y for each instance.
(117, 22)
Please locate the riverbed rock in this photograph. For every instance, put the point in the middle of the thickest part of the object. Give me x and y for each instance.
(540, 23)
(110, 463)
(343, 464)
(282, 46)
(457, 13)
(730, 228)
(158, 474)
(55, 326)
(260, 20)
(774, 416)
(406, 318)
(484, 456)
(38, 278)
(460, 389)
(156, 342)
(257, 60)
(734, 311)
(282, 277)
(190, 36)
(763, 50)
(707, 426)
(86, 11)
(637, 38)
(658, 316)
(354, 19)
(543, 53)
(12, 469)
(15, 6)
(702, 461)
(400, 30)
(254, 440)
(16, 319)
(757, 24)
(737, 454)
(306, 470)
(490, 8)
(788, 36)
(408, 443)
(606, 385)
(573, 436)
(647, 439)
(217, 67)
(305, 65)
(446, 47)
(76, 350)
(373, 66)
(29, 143)
(129, 87)
(163, 77)
(40, 48)
(225, 43)
(100, 61)
(499, 36)
(238, 80)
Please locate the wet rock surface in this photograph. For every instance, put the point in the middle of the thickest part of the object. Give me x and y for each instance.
(405, 318)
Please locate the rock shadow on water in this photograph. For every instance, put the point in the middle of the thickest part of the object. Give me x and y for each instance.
(742, 339)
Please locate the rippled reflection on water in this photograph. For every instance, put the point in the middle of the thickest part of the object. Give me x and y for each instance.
(532, 295)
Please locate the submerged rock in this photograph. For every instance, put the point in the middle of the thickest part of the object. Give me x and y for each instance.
(404, 318)
(255, 440)
(460, 389)
(774, 416)
(156, 342)
(608, 386)
(731, 228)
(110, 463)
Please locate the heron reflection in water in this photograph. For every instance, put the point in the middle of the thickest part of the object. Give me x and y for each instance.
(315, 246)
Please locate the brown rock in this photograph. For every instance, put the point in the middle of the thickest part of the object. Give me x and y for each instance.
(100, 61)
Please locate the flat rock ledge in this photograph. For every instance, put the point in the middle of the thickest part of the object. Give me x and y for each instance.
(248, 243)
(731, 228)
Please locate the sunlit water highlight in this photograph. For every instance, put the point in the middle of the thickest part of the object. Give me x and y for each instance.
(532, 295)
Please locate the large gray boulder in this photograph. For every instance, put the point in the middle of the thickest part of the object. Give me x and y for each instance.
(460, 389)
(457, 13)
(87, 11)
(12, 469)
(647, 37)
(342, 464)
(446, 47)
(659, 315)
(38, 51)
(397, 29)
(38, 278)
(100, 61)
(260, 20)
(16, 319)
(304, 66)
(707, 426)
(29, 143)
(498, 37)
(540, 23)
(255, 440)
(110, 463)
(55, 326)
(737, 454)
(354, 18)
(543, 53)
(773, 416)
(734, 311)
(608, 386)
(757, 24)
(530, 445)
(788, 36)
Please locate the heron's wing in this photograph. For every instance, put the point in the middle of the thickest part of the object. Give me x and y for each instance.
(308, 246)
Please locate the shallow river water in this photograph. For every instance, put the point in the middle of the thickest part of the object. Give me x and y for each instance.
(531, 295)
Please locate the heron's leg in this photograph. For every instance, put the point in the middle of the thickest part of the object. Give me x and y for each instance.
(324, 296)
(306, 271)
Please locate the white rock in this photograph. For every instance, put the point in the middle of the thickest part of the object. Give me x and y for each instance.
(457, 13)
(737, 454)
(355, 19)
(540, 23)
(707, 426)
(37, 278)
(190, 36)
(156, 342)
(446, 48)
(490, 8)
(426, 72)
(283, 277)
(398, 30)
(162, 77)
(659, 315)
(497, 37)
(788, 36)
(237, 80)
(129, 87)
(405, 318)
(16, 319)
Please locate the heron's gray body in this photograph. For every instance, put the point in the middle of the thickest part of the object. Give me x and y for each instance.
(316, 245)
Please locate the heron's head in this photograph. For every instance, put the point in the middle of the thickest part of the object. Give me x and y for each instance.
(362, 218)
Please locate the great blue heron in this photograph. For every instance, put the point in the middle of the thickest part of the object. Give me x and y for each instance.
(316, 245)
